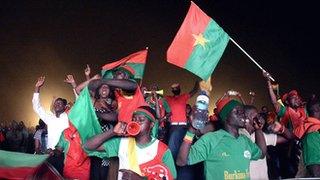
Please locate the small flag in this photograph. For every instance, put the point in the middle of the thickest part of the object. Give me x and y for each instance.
(199, 43)
(136, 61)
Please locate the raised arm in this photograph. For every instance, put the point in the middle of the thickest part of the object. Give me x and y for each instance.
(182, 158)
(85, 83)
(195, 89)
(70, 80)
(36, 101)
(260, 141)
(95, 142)
(87, 72)
(123, 84)
(273, 96)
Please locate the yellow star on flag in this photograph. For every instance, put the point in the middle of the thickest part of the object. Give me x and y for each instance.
(199, 39)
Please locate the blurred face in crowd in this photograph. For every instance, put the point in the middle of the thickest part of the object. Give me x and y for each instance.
(236, 117)
(251, 115)
(121, 75)
(294, 101)
(59, 106)
(176, 90)
(104, 91)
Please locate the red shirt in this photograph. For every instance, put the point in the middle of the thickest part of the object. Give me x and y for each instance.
(128, 104)
(300, 122)
(178, 107)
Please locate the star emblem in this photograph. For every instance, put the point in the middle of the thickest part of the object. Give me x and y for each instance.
(199, 39)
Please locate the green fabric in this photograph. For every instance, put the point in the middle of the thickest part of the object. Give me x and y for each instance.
(155, 129)
(223, 114)
(16, 159)
(165, 105)
(282, 111)
(111, 147)
(224, 156)
(138, 68)
(167, 159)
(203, 60)
(84, 119)
(150, 118)
(311, 148)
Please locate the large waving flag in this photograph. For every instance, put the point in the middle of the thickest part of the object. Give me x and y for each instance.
(136, 61)
(199, 43)
(84, 119)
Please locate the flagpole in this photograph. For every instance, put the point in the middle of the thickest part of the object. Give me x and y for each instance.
(147, 48)
(249, 57)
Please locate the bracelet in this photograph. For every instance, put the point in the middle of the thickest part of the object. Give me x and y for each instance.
(188, 137)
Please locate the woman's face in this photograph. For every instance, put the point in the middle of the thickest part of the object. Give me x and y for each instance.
(104, 91)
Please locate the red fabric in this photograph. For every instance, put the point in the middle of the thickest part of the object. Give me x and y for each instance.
(297, 117)
(127, 105)
(16, 173)
(138, 57)
(77, 163)
(178, 107)
(291, 93)
(155, 169)
(1, 137)
(182, 45)
(221, 103)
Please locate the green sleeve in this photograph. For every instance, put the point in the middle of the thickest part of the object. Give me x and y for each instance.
(282, 111)
(254, 150)
(111, 146)
(167, 159)
(166, 105)
(203, 148)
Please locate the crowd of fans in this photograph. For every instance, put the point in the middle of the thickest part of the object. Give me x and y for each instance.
(239, 140)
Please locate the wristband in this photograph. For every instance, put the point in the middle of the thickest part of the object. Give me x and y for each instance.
(188, 137)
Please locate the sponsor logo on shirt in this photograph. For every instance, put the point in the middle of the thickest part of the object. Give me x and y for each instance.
(236, 174)
(247, 154)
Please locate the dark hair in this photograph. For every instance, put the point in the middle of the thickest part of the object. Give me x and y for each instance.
(64, 101)
(249, 107)
(41, 124)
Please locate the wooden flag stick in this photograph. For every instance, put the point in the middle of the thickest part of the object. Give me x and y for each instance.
(250, 57)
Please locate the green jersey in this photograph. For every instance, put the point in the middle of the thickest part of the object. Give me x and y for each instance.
(224, 156)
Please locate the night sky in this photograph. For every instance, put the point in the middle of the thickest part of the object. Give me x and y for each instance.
(56, 38)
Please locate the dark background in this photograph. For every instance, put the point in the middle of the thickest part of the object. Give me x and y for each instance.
(56, 38)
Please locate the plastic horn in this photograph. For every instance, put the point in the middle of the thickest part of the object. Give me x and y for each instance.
(158, 92)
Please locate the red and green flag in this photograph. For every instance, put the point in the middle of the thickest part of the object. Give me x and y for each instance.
(14, 165)
(136, 61)
(83, 117)
(199, 43)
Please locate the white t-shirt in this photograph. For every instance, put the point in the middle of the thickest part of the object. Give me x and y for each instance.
(259, 168)
(55, 124)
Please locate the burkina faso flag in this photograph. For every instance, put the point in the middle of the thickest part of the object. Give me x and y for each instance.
(199, 43)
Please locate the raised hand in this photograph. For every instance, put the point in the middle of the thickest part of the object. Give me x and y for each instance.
(39, 83)
(70, 80)
(87, 72)
(120, 128)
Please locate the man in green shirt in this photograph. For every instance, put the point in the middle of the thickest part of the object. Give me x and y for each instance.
(225, 153)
